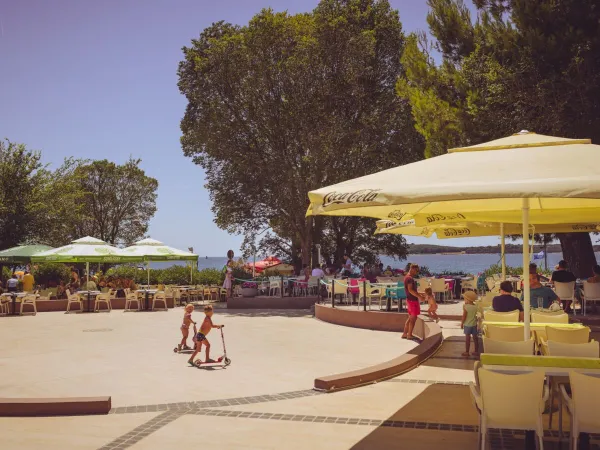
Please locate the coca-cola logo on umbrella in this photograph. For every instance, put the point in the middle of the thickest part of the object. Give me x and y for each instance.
(362, 196)
(452, 232)
(433, 218)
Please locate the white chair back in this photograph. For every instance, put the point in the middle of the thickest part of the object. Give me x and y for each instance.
(541, 317)
(587, 350)
(512, 401)
(591, 291)
(493, 316)
(508, 348)
(438, 285)
(565, 291)
(585, 400)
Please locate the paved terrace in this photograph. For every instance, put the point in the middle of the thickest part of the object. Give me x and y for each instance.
(263, 400)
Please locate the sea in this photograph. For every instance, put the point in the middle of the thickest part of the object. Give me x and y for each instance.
(436, 263)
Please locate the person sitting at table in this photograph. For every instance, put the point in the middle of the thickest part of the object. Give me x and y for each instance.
(505, 302)
(61, 291)
(596, 277)
(12, 283)
(317, 272)
(563, 275)
(538, 291)
(388, 272)
(90, 285)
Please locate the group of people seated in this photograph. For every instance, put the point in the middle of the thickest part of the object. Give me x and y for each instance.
(541, 296)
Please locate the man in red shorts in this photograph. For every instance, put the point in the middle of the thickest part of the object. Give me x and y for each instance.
(412, 301)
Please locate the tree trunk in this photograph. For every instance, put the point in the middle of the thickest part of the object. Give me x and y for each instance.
(578, 251)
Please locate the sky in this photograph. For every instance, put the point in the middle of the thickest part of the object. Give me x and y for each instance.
(98, 80)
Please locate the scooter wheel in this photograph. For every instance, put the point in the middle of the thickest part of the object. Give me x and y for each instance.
(227, 361)
(175, 349)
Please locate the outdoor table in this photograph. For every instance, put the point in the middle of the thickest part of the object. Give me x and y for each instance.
(147, 292)
(390, 287)
(89, 294)
(14, 296)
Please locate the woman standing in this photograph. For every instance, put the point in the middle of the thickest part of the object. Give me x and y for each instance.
(228, 283)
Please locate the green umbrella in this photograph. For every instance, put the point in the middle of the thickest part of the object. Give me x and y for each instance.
(21, 254)
(153, 250)
(87, 250)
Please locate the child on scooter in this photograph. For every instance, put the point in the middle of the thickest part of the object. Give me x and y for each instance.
(185, 327)
(201, 340)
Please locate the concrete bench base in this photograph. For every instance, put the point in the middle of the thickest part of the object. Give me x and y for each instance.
(69, 406)
(429, 332)
(271, 302)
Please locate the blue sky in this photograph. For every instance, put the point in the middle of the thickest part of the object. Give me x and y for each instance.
(97, 79)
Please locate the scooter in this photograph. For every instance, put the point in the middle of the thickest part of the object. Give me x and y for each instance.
(186, 349)
(222, 361)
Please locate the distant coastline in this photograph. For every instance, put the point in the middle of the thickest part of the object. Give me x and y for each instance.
(426, 249)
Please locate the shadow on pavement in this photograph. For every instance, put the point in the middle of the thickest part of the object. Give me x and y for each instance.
(265, 312)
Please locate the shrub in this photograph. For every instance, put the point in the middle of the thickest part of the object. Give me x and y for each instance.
(497, 268)
(47, 274)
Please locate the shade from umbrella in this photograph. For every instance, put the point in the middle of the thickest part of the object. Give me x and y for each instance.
(21, 254)
(86, 249)
(522, 178)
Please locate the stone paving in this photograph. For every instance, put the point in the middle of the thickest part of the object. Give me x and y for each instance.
(246, 408)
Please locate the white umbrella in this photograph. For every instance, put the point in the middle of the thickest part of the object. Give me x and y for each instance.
(153, 250)
(87, 250)
(522, 178)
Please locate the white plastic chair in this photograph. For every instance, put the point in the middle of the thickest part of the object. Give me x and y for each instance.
(313, 285)
(468, 285)
(514, 402)
(274, 286)
(566, 292)
(493, 316)
(130, 299)
(541, 317)
(591, 293)
(5, 300)
(74, 299)
(159, 297)
(102, 299)
(506, 334)
(508, 347)
(583, 406)
(439, 286)
(29, 300)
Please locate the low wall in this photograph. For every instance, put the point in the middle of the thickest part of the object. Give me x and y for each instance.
(68, 406)
(271, 302)
(61, 305)
(429, 333)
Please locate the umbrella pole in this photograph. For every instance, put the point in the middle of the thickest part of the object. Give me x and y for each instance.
(87, 274)
(502, 251)
(526, 288)
(148, 271)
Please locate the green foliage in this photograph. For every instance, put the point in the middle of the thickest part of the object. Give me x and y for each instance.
(291, 103)
(520, 65)
(497, 268)
(178, 275)
(44, 273)
(6, 273)
(119, 201)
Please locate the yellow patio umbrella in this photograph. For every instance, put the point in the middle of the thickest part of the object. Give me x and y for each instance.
(525, 178)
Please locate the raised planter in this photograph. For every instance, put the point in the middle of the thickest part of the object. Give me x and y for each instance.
(249, 292)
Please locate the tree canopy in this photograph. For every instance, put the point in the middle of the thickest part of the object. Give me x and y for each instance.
(517, 65)
(99, 198)
(289, 103)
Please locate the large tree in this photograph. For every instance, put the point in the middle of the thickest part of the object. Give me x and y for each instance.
(36, 203)
(520, 65)
(118, 202)
(290, 103)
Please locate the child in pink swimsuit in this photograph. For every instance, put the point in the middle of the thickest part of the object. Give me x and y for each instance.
(185, 327)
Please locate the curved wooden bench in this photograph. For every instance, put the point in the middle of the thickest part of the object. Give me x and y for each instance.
(429, 332)
(68, 406)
